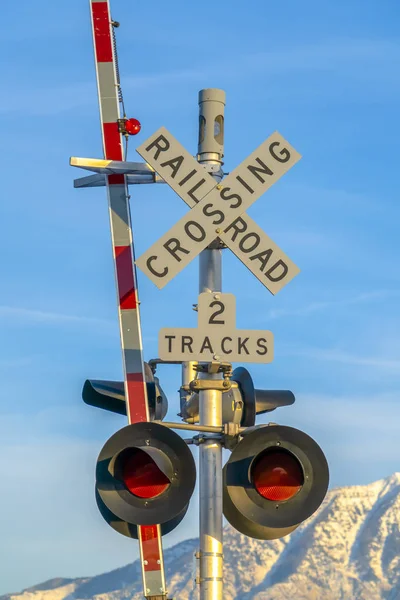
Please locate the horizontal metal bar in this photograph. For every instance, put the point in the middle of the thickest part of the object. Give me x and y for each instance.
(247, 430)
(160, 361)
(205, 428)
(99, 180)
(153, 362)
(90, 181)
(111, 167)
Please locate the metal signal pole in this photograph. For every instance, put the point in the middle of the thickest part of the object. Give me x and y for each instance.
(210, 154)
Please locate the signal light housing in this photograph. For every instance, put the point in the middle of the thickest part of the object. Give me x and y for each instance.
(129, 530)
(110, 395)
(241, 403)
(145, 475)
(258, 402)
(129, 126)
(275, 478)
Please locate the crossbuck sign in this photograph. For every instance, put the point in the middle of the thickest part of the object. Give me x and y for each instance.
(218, 210)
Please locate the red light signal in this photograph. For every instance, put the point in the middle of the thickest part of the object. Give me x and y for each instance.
(145, 474)
(141, 475)
(275, 478)
(132, 126)
(277, 475)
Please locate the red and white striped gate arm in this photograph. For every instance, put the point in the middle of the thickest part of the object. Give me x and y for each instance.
(125, 272)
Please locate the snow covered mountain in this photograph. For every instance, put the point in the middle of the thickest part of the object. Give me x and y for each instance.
(348, 550)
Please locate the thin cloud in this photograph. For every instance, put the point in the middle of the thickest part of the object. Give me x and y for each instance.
(16, 363)
(364, 361)
(39, 316)
(314, 307)
(156, 79)
(327, 355)
(333, 196)
(342, 56)
(41, 101)
(325, 410)
(330, 55)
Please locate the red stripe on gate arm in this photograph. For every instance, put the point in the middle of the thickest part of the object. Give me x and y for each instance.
(112, 141)
(148, 534)
(116, 179)
(101, 28)
(125, 277)
(136, 397)
(125, 271)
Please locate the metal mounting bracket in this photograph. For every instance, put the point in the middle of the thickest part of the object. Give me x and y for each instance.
(221, 385)
(231, 435)
(197, 440)
(214, 367)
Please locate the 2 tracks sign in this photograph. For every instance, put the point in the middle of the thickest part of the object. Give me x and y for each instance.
(216, 337)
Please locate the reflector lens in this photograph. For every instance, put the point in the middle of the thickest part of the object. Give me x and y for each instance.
(141, 475)
(277, 475)
(132, 126)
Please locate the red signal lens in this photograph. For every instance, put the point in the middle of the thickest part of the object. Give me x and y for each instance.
(132, 126)
(141, 475)
(277, 475)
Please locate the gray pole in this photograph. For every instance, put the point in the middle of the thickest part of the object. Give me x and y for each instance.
(210, 153)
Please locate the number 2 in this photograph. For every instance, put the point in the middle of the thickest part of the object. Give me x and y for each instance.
(219, 311)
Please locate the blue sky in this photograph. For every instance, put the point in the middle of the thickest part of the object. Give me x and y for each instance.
(325, 76)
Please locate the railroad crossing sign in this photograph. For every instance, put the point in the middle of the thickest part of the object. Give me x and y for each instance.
(216, 338)
(218, 210)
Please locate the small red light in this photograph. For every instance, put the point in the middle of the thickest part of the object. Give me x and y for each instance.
(277, 475)
(132, 126)
(141, 475)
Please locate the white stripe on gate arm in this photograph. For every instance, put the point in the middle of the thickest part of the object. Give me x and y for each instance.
(214, 213)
